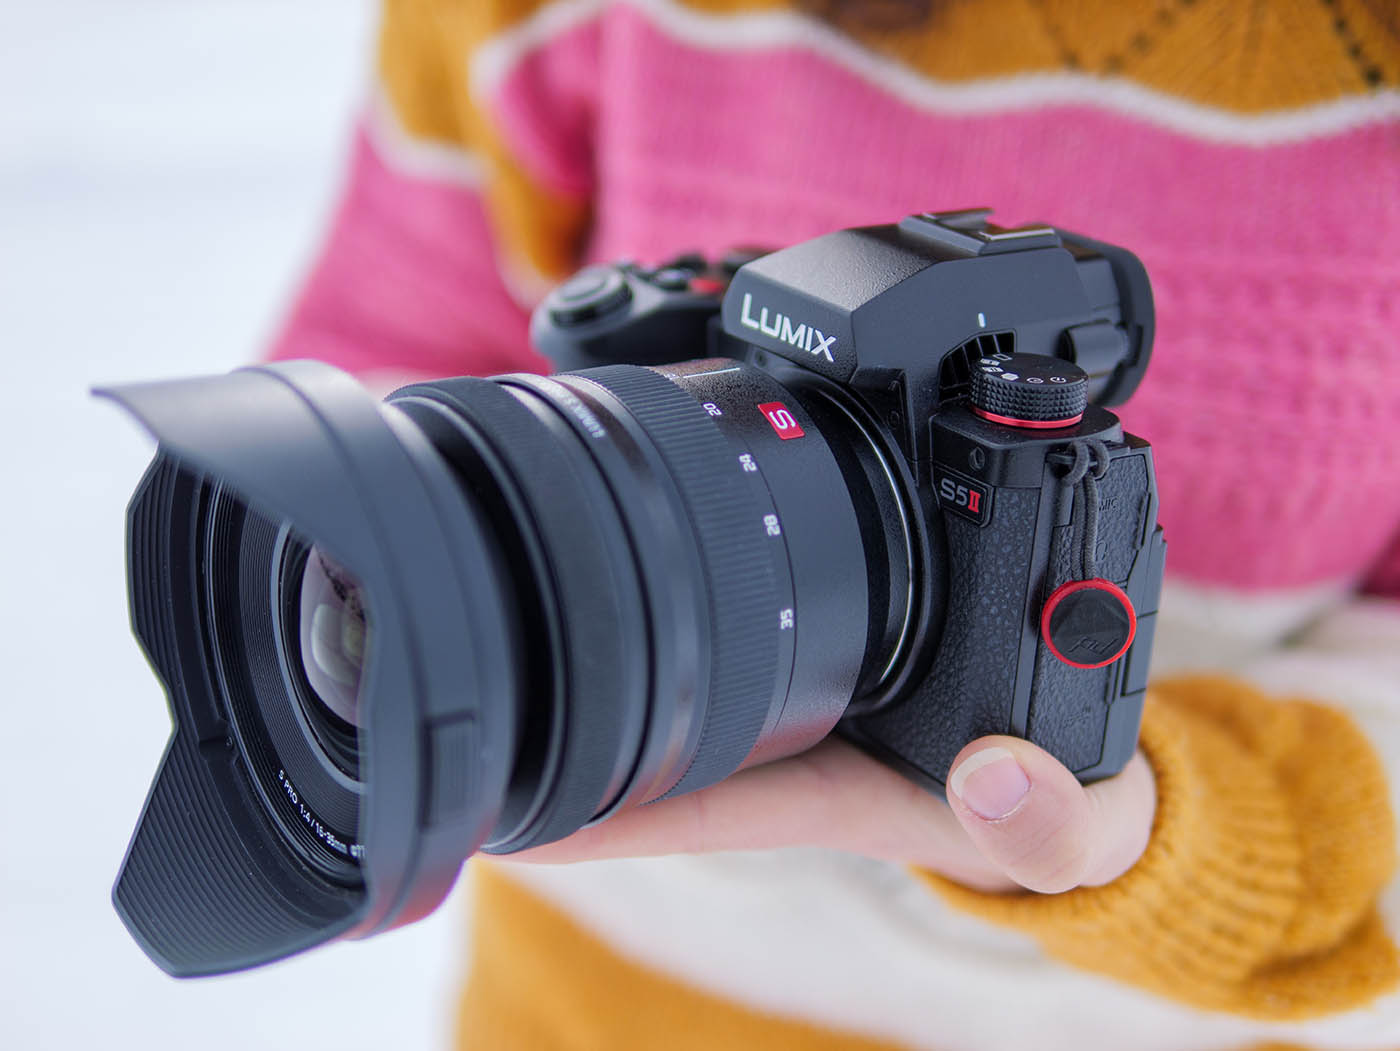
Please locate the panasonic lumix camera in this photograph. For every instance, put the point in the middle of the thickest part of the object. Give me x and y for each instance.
(865, 484)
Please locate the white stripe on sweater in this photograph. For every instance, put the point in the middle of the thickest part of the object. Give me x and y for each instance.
(492, 62)
(403, 152)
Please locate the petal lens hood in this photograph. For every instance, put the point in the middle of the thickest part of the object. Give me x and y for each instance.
(209, 884)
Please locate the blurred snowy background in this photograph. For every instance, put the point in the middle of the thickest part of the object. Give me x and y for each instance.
(165, 170)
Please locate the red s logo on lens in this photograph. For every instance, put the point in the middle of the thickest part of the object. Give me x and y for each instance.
(781, 420)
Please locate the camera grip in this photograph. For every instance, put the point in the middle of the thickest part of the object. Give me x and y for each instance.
(993, 672)
(971, 690)
(1088, 718)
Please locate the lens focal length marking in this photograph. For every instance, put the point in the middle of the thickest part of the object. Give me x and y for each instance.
(315, 825)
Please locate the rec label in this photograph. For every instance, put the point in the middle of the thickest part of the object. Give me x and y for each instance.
(972, 500)
(781, 420)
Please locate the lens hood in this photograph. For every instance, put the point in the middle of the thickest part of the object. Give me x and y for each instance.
(208, 885)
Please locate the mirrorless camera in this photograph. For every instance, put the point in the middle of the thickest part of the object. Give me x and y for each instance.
(866, 483)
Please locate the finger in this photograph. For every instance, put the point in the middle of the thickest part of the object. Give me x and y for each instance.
(1029, 816)
(832, 796)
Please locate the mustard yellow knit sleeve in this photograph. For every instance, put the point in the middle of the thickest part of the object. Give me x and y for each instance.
(1258, 893)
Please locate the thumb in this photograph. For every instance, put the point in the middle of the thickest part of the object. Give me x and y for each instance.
(1028, 815)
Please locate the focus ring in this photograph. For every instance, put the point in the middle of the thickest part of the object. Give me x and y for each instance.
(740, 582)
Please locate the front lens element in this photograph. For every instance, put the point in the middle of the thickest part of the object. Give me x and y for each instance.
(334, 634)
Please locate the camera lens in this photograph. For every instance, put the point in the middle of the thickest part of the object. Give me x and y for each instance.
(333, 636)
(481, 615)
(707, 566)
(710, 563)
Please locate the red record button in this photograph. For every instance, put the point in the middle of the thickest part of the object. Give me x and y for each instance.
(781, 420)
(1088, 623)
(707, 286)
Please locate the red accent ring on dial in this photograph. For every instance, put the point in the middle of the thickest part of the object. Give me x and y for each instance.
(1065, 590)
(1011, 421)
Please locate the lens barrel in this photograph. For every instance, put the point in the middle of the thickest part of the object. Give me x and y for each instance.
(533, 601)
(696, 567)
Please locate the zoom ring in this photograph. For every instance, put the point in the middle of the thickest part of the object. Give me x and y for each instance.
(594, 657)
(739, 577)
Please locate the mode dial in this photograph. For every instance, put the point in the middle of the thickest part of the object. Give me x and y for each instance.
(1029, 390)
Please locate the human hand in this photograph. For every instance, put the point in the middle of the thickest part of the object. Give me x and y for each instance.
(1015, 817)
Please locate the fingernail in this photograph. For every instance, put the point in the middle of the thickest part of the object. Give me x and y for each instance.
(990, 783)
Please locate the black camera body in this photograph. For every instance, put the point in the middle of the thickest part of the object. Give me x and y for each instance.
(864, 484)
(1032, 613)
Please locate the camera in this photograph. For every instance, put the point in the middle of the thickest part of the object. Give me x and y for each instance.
(867, 484)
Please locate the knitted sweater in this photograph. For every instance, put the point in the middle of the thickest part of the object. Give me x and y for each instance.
(1250, 154)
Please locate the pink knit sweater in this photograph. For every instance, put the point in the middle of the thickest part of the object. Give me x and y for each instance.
(1273, 242)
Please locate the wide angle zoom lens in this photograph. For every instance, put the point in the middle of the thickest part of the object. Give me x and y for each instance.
(478, 616)
(694, 573)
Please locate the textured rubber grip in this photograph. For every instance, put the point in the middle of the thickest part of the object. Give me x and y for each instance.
(740, 583)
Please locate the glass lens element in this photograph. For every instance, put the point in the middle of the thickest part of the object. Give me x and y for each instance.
(334, 634)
